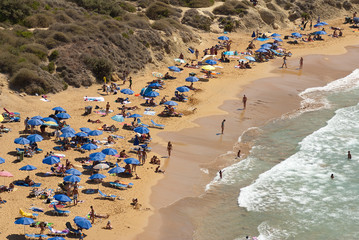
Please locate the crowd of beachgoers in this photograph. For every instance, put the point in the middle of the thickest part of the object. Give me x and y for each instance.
(107, 158)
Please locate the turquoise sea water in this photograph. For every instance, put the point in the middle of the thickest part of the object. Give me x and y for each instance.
(283, 189)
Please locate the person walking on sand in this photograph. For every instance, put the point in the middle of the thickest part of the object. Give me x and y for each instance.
(196, 53)
(244, 101)
(75, 195)
(92, 215)
(222, 126)
(169, 148)
(301, 63)
(130, 81)
(349, 155)
(26, 125)
(284, 62)
(107, 108)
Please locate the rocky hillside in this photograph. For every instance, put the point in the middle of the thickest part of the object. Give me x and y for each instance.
(46, 45)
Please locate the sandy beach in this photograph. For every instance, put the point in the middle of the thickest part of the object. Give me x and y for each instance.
(194, 138)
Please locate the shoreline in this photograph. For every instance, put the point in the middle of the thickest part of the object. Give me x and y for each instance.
(201, 123)
(208, 105)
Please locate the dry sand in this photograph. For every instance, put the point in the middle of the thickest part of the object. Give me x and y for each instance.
(180, 169)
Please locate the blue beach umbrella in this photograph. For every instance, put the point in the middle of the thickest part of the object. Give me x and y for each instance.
(323, 23)
(116, 170)
(59, 109)
(192, 79)
(34, 122)
(223, 38)
(253, 34)
(320, 33)
(127, 91)
(62, 198)
(183, 89)
(118, 118)
(73, 171)
(109, 151)
(97, 176)
(21, 141)
(24, 221)
(28, 168)
(34, 138)
(229, 53)
(89, 146)
(211, 62)
(51, 160)
(72, 179)
(67, 135)
(85, 129)
(152, 94)
(298, 35)
(277, 39)
(132, 161)
(252, 59)
(174, 69)
(170, 103)
(81, 134)
(318, 25)
(154, 85)
(141, 130)
(2, 160)
(82, 222)
(262, 39)
(95, 133)
(135, 116)
(49, 119)
(262, 50)
(275, 35)
(68, 129)
(266, 45)
(63, 115)
(97, 156)
(37, 117)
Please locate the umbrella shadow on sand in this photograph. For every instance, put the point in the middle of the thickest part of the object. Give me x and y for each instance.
(15, 237)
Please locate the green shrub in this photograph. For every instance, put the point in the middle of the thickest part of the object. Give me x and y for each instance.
(39, 50)
(100, 67)
(196, 3)
(38, 20)
(160, 10)
(51, 67)
(196, 20)
(28, 81)
(54, 55)
(24, 34)
(14, 11)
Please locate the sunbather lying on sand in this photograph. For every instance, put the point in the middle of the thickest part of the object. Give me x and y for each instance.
(94, 121)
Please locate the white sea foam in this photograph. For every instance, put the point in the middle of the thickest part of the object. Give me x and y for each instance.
(316, 98)
(301, 186)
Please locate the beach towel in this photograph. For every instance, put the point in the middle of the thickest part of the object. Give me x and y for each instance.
(94, 99)
(103, 112)
(44, 100)
(116, 136)
(23, 184)
(151, 113)
(59, 155)
(35, 209)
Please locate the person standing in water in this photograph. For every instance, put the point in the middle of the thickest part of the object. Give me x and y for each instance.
(244, 101)
(220, 174)
(169, 148)
(301, 63)
(332, 176)
(349, 155)
(222, 126)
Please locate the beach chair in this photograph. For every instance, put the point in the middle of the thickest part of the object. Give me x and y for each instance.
(72, 230)
(54, 232)
(118, 185)
(35, 236)
(61, 212)
(104, 196)
(140, 123)
(156, 125)
(28, 215)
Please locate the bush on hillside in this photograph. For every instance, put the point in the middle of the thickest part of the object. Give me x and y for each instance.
(196, 3)
(160, 10)
(100, 67)
(193, 18)
(38, 20)
(14, 11)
